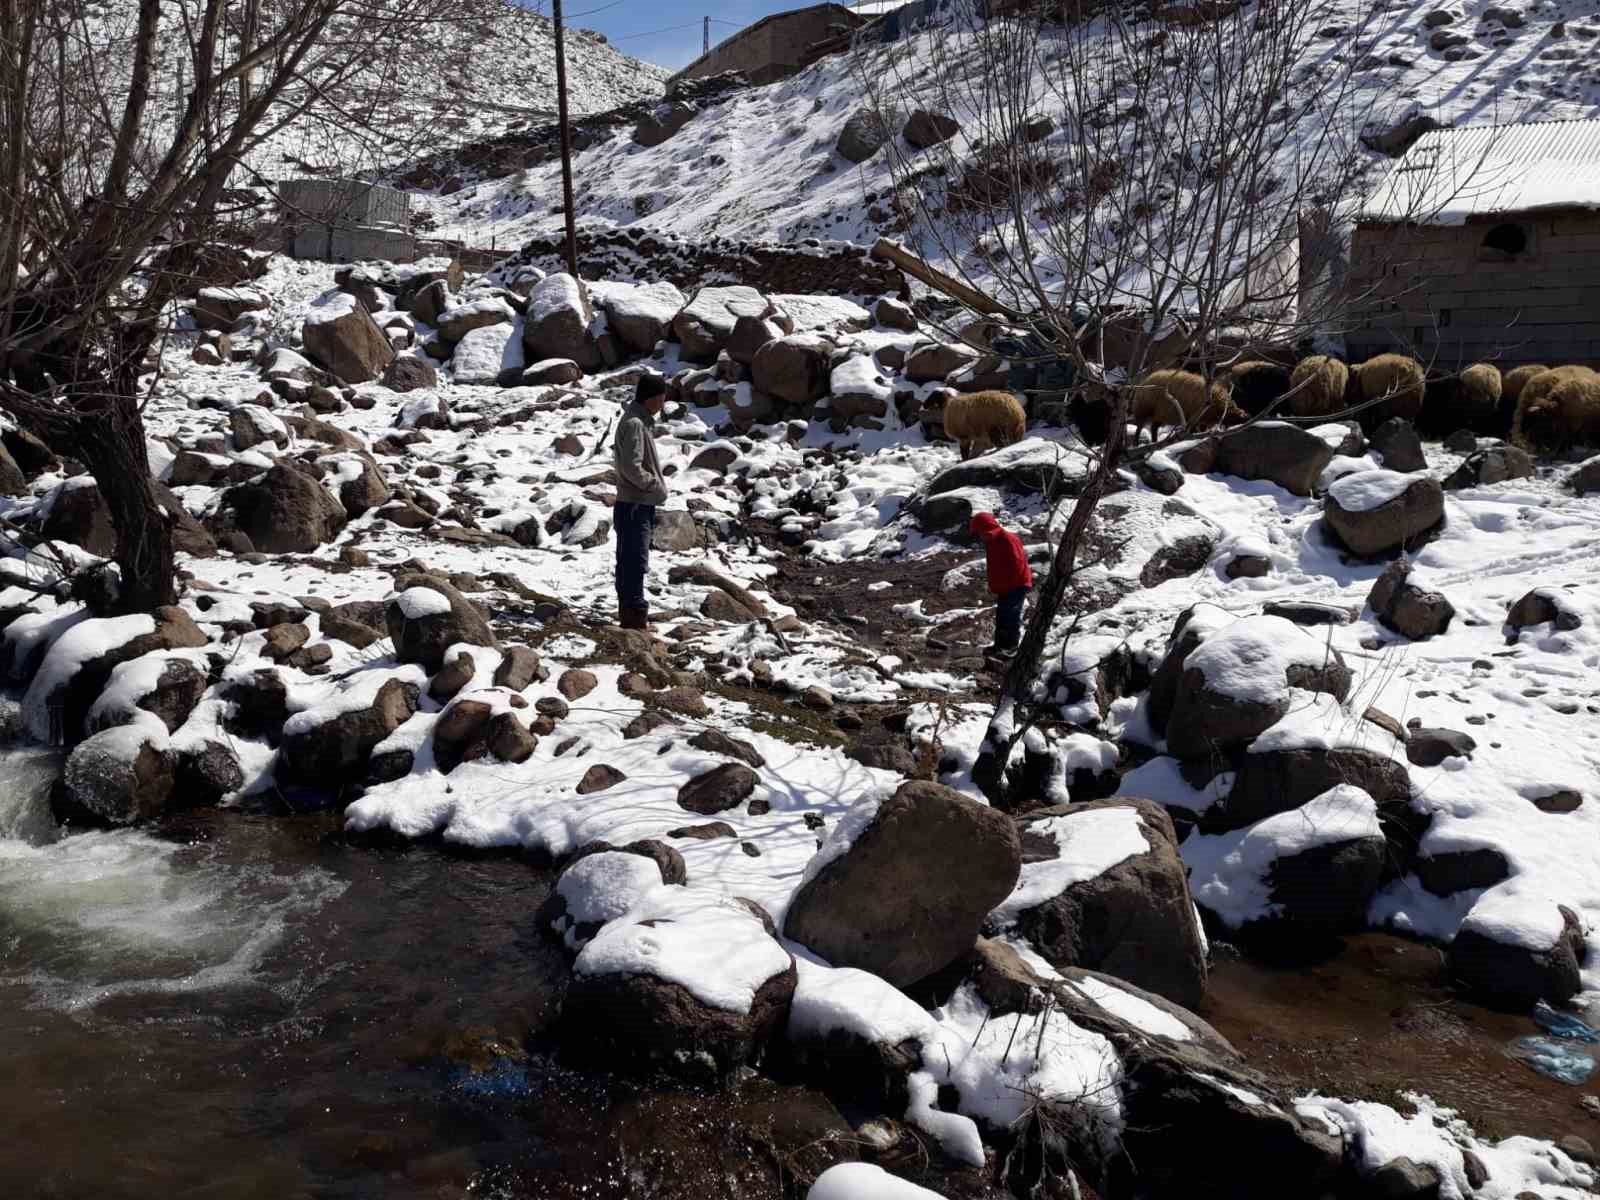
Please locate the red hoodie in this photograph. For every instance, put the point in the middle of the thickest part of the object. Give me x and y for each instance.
(1007, 561)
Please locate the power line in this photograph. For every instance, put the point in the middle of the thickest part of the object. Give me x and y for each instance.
(651, 33)
(591, 11)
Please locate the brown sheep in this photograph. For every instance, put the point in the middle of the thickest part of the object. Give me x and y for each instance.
(1179, 398)
(1557, 408)
(984, 418)
(1258, 385)
(1479, 395)
(1316, 387)
(1514, 380)
(1397, 382)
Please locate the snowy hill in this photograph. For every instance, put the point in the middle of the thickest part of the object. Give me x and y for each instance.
(488, 66)
(762, 165)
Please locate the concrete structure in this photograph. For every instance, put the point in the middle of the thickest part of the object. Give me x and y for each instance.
(1483, 244)
(775, 46)
(347, 220)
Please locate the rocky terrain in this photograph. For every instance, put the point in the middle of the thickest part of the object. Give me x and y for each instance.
(391, 487)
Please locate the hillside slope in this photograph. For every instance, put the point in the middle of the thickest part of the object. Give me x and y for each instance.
(490, 65)
(762, 165)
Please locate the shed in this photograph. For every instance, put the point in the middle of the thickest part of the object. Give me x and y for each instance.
(347, 220)
(776, 46)
(1482, 243)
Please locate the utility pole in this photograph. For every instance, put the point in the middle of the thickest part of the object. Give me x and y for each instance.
(705, 36)
(566, 147)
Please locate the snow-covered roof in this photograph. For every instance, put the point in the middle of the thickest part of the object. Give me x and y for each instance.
(1451, 175)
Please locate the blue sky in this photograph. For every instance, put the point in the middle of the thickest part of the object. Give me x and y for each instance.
(666, 32)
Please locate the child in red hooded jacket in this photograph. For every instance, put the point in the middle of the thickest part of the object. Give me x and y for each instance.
(1010, 577)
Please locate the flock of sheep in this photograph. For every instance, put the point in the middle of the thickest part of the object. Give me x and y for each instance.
(1543, 409)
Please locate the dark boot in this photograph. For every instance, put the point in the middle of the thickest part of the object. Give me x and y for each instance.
(634, 618)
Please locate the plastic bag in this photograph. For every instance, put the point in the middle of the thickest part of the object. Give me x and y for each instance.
(1559, 1059)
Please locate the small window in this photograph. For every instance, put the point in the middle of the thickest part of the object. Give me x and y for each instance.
(1508, 239)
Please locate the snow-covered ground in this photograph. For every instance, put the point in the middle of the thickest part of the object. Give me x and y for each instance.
(762, 165)
(506, 456)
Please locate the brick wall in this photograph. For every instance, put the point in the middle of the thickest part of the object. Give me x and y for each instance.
(1438, 291)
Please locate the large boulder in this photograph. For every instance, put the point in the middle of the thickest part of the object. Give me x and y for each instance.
(661, 122)
(252, 425)
(704, 325)
(76, 667)
(1403, 605)
(925, 128)
(12, 481)
(341, 335)
(1103, 886)
(1544, 606)
(77, 512)
(361, 484)
(646, 996)
(410, 373)
(903, 882)
(1492, 464)
(641, 315)
(165, 687)
(118, 776)
(1586, 478)
(1287, 455)
(426, 616)
(557, 322)
(1379, 512)
(455, 323)
(933, 361)
(718, 789)
(864, 134)
(1311, 870)
(330, 743)
(1514, 950)
(793, 369)
(1396, 441)
(283, 512)
(488, 355)
(1236, 683)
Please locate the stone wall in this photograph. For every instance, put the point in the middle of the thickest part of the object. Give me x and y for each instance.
(1441, 292)
(809, 267)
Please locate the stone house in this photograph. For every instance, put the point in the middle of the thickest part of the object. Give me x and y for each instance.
(1483, 244)
(776, 46)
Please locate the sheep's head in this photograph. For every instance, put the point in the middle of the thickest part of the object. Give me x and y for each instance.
(1544, 425)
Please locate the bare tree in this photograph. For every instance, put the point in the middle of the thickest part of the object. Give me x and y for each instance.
(1130, 187)
(128, 128)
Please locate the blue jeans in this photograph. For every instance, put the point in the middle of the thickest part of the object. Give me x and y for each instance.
(1008, 618)
(634, 524)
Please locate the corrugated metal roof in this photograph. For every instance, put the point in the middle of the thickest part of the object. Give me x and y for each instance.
(1450, 175)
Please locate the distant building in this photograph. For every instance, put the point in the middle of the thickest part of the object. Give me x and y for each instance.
(777, 46)
(1483, 244)
(347, 220)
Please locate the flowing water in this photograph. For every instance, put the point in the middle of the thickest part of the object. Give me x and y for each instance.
(237, 1005)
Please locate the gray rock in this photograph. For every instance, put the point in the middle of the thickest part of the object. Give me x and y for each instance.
(1493, 464)
(1428, 747)
(864, 134)
(337, 749)
(909, 895)
(425, 639)
(924, 128)
(1286, 455)
(118, 777)
(718, 789)
(1398, 444)
(1396, 524)
(1514, 977)
(351, 345)
(1406, 608)
(1135, 921)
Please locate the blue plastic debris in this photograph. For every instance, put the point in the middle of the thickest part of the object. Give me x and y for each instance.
(1558, 1059)
(1564, 1025)
(504, 1080)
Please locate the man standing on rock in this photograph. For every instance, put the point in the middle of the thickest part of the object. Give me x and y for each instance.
(1010, 577)
(640, 488)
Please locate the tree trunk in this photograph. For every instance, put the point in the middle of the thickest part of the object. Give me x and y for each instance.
(114, 452)
(1011, 721)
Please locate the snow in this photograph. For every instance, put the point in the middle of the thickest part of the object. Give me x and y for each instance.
(1090, 844)
(1160, 780)
(1506, 916)
(602, 887)
(1363, 491)
(843, 836)
(321, 704)
(1135, 1010)
(81, 644)
(1377, 1134)
(1249, 659)
(485, 352)
(657, 300)
(865, 1181)
(711, 945)
(1238, 1093)
(554, 294)
(330, 308)
(416, 603)
(1229, 872)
